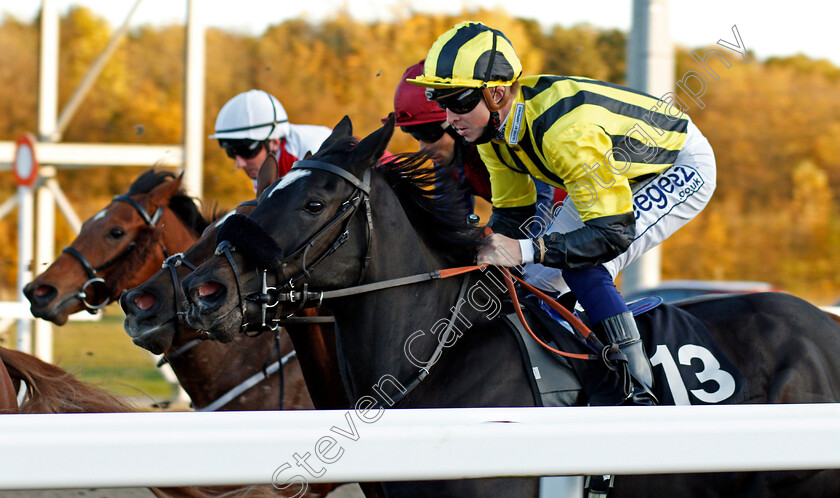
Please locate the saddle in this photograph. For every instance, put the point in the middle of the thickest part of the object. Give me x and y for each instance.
(688, 366)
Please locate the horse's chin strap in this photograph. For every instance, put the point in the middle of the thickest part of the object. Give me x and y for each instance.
(172, 263)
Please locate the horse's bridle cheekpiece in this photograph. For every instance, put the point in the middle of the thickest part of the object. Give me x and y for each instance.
(238, 225)
(91, 271)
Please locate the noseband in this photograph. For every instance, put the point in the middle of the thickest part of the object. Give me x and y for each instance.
(91, 271)
(271, 296)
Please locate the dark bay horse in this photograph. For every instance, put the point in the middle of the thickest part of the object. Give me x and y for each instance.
(126, 243)
(313, 232)
(153, 320)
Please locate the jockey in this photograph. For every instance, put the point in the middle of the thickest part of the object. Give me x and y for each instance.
(254, 123)
(636, 170)
(426, 123)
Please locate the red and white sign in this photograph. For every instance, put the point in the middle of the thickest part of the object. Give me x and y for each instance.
(25, 166)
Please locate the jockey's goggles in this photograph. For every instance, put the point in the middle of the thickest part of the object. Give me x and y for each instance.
(427, 132)
(242, 147)
(460, 101)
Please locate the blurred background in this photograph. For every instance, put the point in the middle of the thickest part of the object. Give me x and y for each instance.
(774, 122)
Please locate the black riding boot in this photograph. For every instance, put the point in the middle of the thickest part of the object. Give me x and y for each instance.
(621, 330)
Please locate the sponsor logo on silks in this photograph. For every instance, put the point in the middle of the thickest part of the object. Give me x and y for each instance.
(516, 124)
(661, 194)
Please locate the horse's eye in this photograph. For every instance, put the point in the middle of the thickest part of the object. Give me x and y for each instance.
(116, 233)
(315, 207)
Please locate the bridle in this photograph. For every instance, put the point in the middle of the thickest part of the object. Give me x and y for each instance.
(265, 372)
(305, 298)
(172, 263)
(342, 219)
(91, 271)
(288, 293)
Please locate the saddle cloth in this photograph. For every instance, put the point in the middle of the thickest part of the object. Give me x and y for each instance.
(688, 366)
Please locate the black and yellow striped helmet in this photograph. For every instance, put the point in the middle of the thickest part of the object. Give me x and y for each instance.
(470, 55)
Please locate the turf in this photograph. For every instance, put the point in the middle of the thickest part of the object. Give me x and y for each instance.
(101, 353)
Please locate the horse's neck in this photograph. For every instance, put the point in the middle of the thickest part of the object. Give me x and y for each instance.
(211, 369)
(177, 237)
(373, 327)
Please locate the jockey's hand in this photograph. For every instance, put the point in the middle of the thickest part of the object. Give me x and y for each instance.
(498, 250)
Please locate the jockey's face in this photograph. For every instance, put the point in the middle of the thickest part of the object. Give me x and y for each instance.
(251, 166)
(442, 151)
(470, 125)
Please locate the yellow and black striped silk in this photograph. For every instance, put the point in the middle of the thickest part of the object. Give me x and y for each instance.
(459, 58)
(568, 127)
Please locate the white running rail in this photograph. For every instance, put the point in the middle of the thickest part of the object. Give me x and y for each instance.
(174, 449)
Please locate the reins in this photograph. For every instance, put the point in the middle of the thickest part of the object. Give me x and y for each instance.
(92, 271)
(304, 296)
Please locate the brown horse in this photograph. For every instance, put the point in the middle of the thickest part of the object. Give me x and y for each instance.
(249, 378)
(153, 320)
(122, 246)
(118, 248)
(8, 394)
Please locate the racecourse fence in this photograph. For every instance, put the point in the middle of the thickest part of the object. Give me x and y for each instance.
(188, 448)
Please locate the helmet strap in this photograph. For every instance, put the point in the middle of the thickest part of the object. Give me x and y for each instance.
(495, 120)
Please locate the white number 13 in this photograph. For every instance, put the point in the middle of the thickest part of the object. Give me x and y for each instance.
(711, 371)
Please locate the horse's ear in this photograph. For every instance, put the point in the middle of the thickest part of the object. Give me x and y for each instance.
(160, 195)
(372, 147)
(343, 129)
(268, 174)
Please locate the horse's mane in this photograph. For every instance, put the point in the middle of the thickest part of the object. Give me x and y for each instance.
(429, 194)
(50, 389)
(183, 205)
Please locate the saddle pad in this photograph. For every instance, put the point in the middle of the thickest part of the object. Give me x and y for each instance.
(553, 380)
(688, 366)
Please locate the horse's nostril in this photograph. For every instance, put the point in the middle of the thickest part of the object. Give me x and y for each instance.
(43, 290)
(208, 289)
(145, 301)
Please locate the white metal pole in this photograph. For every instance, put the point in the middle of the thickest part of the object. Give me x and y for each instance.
(650, 68)
(7, 207)
(47, 118)
(26, 223)
(48, 71)
(44, 255)
(64, 205)
(194, 101)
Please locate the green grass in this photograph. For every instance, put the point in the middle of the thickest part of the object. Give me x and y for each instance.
(101, 353)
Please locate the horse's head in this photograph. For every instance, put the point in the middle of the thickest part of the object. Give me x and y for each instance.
(117, 248)
(152, 309)
(318, 209)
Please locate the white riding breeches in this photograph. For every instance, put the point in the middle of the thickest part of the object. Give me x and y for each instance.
(661, 204)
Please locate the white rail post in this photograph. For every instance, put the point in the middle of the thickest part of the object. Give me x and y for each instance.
(44, 255)
(26, 223)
